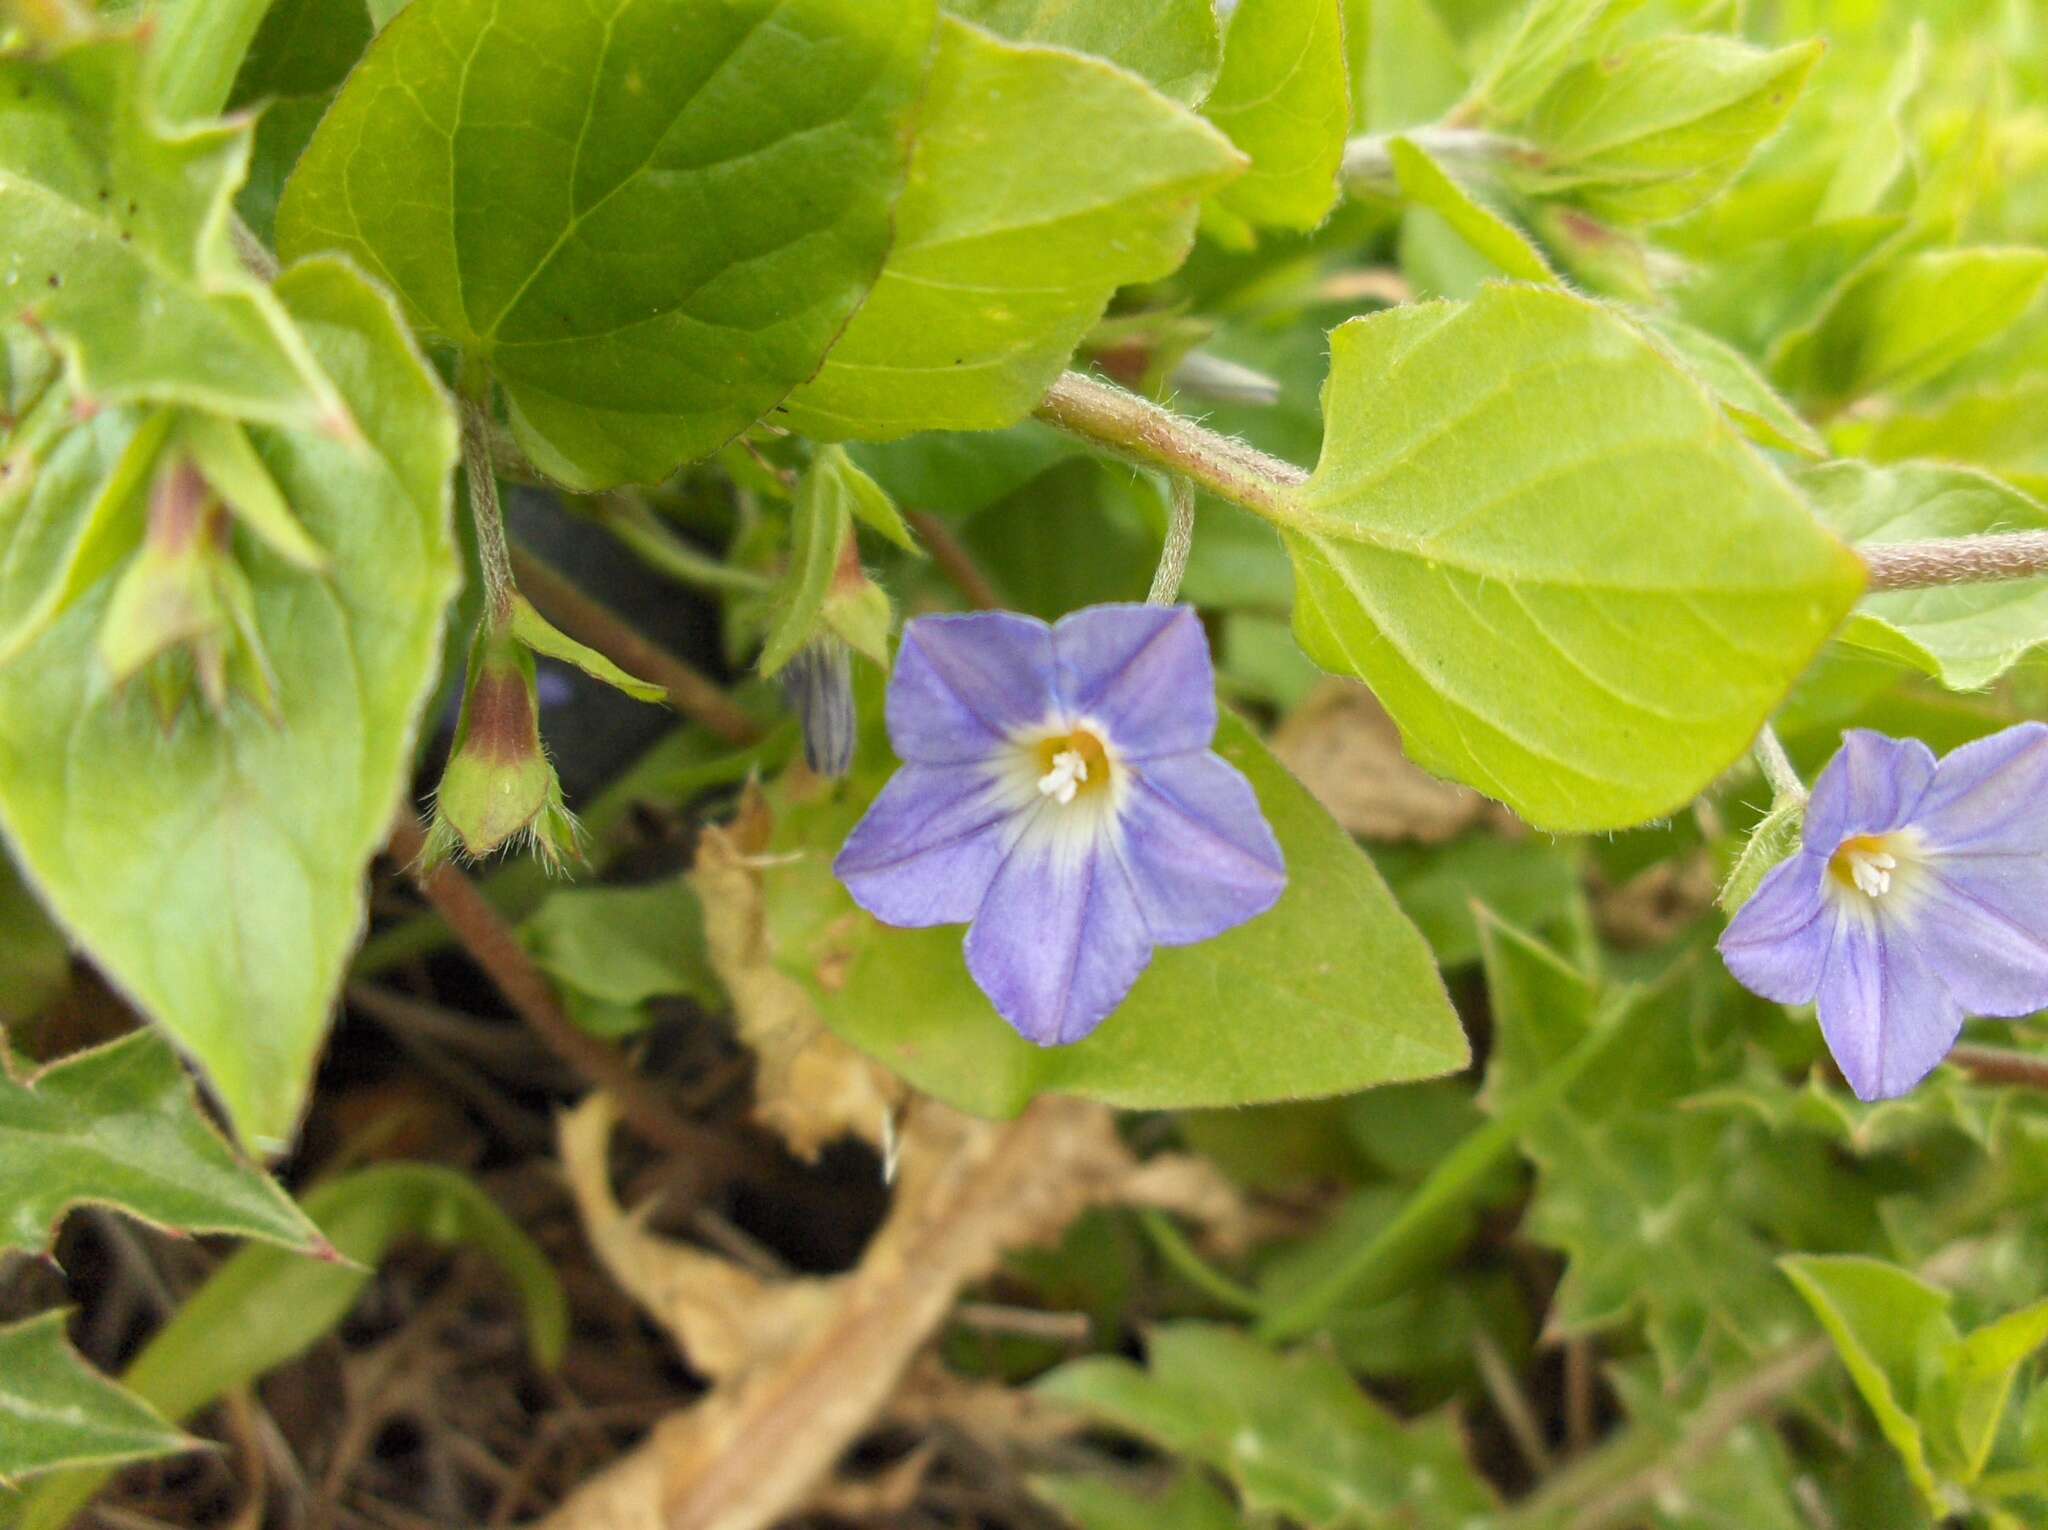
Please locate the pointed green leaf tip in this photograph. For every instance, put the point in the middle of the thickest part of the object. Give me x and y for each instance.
(120, 1126)
(1548, 551)
(56, 1412)
(651, 240)
(543, 638)
(214, 870)
(1042, 181)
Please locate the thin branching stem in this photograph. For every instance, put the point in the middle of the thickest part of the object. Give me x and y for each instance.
(1138, 429)
(1141, 431)
(1180, 540)
(1776, 765)
(494, 946)
(493, 553)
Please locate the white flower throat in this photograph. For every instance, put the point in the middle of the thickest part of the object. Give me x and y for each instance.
(1065, 779)
(1870, 870)
(1871, 864)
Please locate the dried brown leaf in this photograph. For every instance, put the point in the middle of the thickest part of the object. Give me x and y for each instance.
(1341, 744)
(811, 1088)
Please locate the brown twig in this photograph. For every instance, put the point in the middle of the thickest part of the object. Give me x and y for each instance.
(951, 557)
(493, 946)
(591, 621)
(1578, 1393)
(1995, 1065)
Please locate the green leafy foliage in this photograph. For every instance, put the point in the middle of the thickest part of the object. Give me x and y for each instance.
(1174, 44)
(1568, 676)
(1966, 636)
(1284, 99)
(1094, 1503)
(1764, 415)
(1910, 319)
(220, 885)
(1631, 1185)
(113, 218)
(612, 949)
(1653, 132)
(1938, 1395)
(119, 1125)
(1293, 1433)
(1771, 841)
(1546, 38)
(264, 1306)
(1042, 182)
(1424, 183)
(55, 1412)
(673, 236)
(825, 594)
(792, 265)
(1370, 1008)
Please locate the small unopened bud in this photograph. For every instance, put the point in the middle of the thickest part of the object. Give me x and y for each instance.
(819, 684)
(1223, 381)
(184, 600)
(857, 609)
(499, 783)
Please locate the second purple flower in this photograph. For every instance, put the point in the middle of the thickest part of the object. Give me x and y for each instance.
(1060, 797)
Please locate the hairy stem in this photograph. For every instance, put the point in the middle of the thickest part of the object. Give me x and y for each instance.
(1956, 560)
(1140, 430)
(1180, 540)
(591, 621)
(1368, 163)
(1776, 765)
(491, 549)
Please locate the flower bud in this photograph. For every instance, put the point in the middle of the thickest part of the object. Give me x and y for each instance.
(184, 599)
(499, 782)
(819, 685)
(857, 609)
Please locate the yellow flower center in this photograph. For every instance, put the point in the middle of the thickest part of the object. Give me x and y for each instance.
(1866, 863)
(1071, 764)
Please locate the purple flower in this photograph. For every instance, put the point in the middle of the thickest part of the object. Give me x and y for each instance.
(1059, 796)
(1919, 895)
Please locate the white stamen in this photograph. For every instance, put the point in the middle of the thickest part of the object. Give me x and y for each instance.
(1060, 783)
(1871, 870)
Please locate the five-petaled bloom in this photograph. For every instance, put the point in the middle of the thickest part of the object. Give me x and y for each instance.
(1919, 896)
(1059, 794)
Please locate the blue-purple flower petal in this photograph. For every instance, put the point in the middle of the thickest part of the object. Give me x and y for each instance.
(1886, 1013)
(1980, 920)
(1143, 672)
(1871, 786)
(929, 846)
(963, 684)
(1777, 943)
(1199, 854)
(1059, 940)
(1990, 797)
